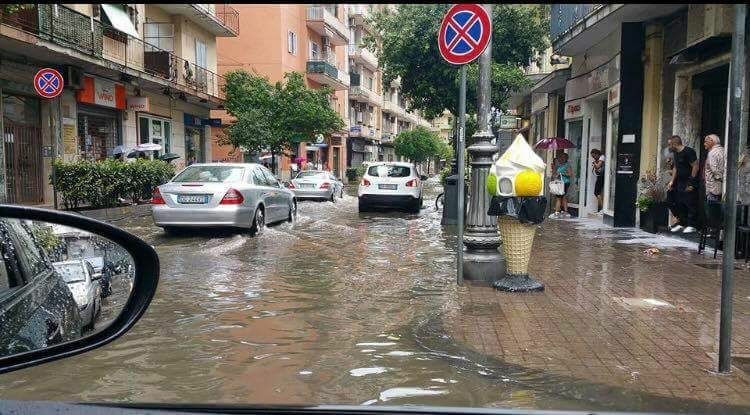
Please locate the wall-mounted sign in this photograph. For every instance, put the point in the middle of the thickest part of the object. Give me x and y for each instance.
(356, 129)
(508, 122)
(573, 109)
(138, 104)
(48, 83)
(191, 120)
(213, 122)
(625, 163)
(628, 138)
(613, 96)
(102, 92)
(319, 139)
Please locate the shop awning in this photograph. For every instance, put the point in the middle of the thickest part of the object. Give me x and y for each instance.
(119, 19)
(552, 82)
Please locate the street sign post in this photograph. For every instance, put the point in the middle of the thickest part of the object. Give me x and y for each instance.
(464, 35)
(48, 83)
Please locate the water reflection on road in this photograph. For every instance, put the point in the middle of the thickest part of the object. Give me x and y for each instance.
(337, 307)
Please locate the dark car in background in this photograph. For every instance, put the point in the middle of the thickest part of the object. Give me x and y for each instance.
(29, 282)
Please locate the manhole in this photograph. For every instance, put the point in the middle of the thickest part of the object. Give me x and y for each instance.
(716, 266)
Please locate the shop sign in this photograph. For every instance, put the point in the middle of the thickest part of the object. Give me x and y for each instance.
(191, 120)
(508, 122)
(625, 163)
(573, 109)
(213, 122)
(138, 104)
(102, 92)
(356, 129)
(613, 96)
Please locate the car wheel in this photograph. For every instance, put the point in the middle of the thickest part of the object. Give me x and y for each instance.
(170, 230)
(416, 206)
(259, 222)
(362, 206)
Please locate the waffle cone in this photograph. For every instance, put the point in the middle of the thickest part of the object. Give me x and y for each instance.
(518, 239)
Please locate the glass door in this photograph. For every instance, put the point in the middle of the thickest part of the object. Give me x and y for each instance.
(611, 159)
(575, 134)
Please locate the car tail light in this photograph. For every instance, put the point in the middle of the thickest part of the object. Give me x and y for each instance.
(156, 198)
(325, 185)
(291, 185)
(365, 182)
(233, 197)
(412, 183)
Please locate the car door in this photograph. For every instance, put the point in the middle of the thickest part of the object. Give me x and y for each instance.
(37, 308)
(277, 196)
(262, 190)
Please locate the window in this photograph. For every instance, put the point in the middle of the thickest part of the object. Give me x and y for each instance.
(259, 178)
(211, 174)
(314, 51)
(389, 171)
(200, 54)
(369, 83)
(292, 43)
(270, 178)
(29, 254)
(156, 131)
(160, 35)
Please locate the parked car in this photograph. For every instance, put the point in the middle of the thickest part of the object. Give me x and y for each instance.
(78, 275)
(240, 195)
(37, 309)
(390, 184)
(317, 184)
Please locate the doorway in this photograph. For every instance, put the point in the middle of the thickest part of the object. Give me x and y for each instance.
(22, 137)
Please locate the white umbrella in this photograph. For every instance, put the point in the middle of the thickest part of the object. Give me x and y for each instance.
(119, 150)
(265, 157)
(148, 147)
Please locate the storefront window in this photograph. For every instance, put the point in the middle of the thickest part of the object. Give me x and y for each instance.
(98, 132)
(155, 131)
(612, 160)
(193, 145)
(575, 132)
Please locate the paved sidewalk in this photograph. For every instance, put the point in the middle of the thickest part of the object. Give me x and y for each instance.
(614, 315)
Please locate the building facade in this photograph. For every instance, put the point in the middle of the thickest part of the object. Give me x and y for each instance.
(279, 38)
(637, 74)
(133, 74)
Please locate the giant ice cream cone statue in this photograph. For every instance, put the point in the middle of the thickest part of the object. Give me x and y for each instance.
(516, 182)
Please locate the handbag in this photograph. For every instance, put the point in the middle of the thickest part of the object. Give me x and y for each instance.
(557, 187)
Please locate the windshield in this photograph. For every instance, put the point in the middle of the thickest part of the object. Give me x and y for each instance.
(210, 174)
(71, 272)
(310, 174)
(389, 171)
(365, 203)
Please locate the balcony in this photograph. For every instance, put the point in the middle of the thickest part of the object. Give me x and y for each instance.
(362, 94)
(364, 131)
(363, 56)
(221, 20)
(324, 72)
(55, 26)
(393, 108)
(360, 13)
(388, 139)
(324, 23)
(574, 28)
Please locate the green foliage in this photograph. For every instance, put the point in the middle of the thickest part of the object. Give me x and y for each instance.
(419, 145)
(354, 173)
(45, 238)
(406, 45)
(101, 184)
(13, 8)
(444, 173)
(275, 117)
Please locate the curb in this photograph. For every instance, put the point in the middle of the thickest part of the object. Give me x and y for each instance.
(116, 214)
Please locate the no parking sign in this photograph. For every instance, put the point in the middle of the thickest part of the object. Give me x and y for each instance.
(48, 83)
(464, 33)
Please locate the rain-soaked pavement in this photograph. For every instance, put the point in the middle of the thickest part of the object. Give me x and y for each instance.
(336, 308)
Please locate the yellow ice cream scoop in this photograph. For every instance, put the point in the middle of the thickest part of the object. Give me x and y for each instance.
(528, 183)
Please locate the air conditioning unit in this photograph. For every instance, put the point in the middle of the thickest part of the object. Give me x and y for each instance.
(73, 77)
(708, 20)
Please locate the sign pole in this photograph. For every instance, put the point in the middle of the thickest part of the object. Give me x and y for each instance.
(461, 163)
(736, 78)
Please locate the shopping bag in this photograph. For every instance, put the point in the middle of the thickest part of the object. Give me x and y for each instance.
(557, 187)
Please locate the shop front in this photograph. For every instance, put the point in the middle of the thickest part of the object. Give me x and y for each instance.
(99, 118)
(22, 146)
(195, 149)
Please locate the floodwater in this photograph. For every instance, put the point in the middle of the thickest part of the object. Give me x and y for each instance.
(336, 308)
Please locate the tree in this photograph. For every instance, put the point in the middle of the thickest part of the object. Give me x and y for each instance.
(420, 145)
(406, 45)
(275, 117)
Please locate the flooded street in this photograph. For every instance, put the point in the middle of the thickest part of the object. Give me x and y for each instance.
(336, 308)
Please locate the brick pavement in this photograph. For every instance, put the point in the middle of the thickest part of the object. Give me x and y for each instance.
(592, 322)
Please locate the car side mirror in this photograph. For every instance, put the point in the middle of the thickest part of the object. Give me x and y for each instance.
(423, 177)
(41, 251)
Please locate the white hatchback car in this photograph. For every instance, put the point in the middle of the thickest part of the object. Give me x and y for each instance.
(390, 184)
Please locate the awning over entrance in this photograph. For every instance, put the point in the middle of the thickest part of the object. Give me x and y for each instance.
(552, 82)
(119, 19)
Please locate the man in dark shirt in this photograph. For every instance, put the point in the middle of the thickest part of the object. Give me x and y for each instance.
(683, 188)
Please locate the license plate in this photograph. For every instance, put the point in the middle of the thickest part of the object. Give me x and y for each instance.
(387, 186)
(192, 199)
(307, 186)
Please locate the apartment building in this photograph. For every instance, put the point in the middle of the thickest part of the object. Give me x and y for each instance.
(133, 74)
(278, 38)
(377, 111)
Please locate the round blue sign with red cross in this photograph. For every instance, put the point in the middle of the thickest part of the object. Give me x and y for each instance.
(464, 33)
(48, 83)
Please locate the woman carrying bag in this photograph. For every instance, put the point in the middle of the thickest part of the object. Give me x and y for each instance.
(562, 172)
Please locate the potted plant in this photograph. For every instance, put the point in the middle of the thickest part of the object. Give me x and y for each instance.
(652, 202)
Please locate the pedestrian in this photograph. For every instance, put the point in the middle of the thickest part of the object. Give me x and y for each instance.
(682, 189)
(598, 167)
(564, 172)
(714, 168)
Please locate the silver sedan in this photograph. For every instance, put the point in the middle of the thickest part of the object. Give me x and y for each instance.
(242, 195)
(317, 184)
